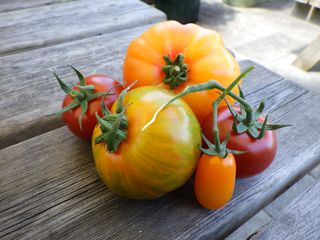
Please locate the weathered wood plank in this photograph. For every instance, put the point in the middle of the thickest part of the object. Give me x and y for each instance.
(27, 80)
(250, 227)
(40, 93)
(48, 25)
(309, 57)
(49, 188)
(300, 220)
(275, 208)
(10, 5)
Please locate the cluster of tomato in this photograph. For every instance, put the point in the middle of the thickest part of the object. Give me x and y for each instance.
(146, 138)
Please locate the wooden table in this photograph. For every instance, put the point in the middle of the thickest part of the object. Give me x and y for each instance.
(49, 185)
(300, 220)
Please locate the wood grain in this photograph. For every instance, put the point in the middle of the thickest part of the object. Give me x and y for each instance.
(11, 5)
(300, 220)
(57, 23)
(27, 80)
(50, 190)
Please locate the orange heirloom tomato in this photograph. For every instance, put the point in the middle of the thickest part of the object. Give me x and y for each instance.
(192, 55)
(152, 161)
(215, 180)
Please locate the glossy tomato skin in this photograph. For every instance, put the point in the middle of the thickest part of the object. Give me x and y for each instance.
(259, 152)
(215, 180)
(156, 160)
(102, 83)
(204, 52)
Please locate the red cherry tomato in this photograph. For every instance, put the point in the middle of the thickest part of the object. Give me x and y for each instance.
(259, 152)
(101, 83)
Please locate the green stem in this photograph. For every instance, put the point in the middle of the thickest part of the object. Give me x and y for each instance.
(226, 91)
(108, 126)
(209, 85)
(215, 129)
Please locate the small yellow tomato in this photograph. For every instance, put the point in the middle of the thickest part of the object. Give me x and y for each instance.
(215, 180)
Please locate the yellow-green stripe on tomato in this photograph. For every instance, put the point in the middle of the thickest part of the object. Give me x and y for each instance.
(155, 160)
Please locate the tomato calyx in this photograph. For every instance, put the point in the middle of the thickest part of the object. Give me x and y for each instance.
(242, 123)
(81, 97)
(114, 126)
(218, 149)
(176, 71)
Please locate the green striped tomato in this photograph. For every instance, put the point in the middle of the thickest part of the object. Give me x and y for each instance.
(156, 160)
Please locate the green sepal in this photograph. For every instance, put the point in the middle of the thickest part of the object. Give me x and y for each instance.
(259, 110)
(263, 129)
(241, 128)
(253, 131)
(80, 76)
(99, 139)
(81, 97)
(68, 90)
(113, 117)
(167, 60)
(236, 152)
(106, 126)
(119, 105)
(273, 127)
(207, 141)
(179, 60)
(86, 87)
(104, 109)
(211, 152)
(98, 94)
(167, 80)
(176, 71)
(113, 142)
(73, 104)
(243, 112)
(113, 125)
(254, 128)
(212, 149)
(84, 108)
